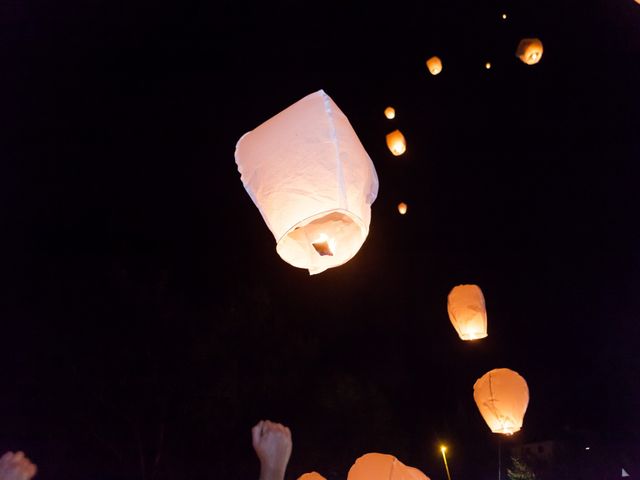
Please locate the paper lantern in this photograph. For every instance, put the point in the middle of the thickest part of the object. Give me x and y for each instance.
(402, 208)
(529, 50)
(434, 64)
(467, 312)
(396, 143)
(390, 113)
(312, 181)
(504, 16)
(311, 476)
(487, 65)
(502, 396)
(380, 466)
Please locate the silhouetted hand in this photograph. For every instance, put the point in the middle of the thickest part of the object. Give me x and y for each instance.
(272, 443)
(15, 466)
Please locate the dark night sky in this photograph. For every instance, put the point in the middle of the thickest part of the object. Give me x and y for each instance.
(143, 302)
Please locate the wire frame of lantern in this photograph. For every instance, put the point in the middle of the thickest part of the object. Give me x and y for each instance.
(530, 50)
(467, 312)
(434, 65)
(396, 143)
(381, 466)
(502, 396)
(312, 181)
(390, 113)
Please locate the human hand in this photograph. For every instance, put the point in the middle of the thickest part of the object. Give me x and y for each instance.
(15, 466)
(272, 443)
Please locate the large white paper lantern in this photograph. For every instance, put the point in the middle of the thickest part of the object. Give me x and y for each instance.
(380, 466)
(467, 312)
(312, 180)
(502, 396)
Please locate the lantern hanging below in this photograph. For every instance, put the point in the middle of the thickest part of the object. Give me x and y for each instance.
(529, 50)
(467, 312)
(396, 143)
(390, 113)
(502, 396)
(312, 180)
(434, 64)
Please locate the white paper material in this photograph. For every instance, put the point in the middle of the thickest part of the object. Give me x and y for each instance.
(502, 396)
(467, 312)
(312, 180)
(380, 466)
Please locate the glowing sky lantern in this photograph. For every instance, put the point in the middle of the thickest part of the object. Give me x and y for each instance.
(487, 65)
(312, 181)
(502, 396)
(390, 113)
(380, 466)
(434, 64)
(396, 142)
(311, 476)
(529, 50)
(402, 208)
(467, 312)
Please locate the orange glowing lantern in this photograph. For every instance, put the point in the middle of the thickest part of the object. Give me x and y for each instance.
(311, 476)
(390, 113)
(529, 50)
(402, 208)
(502, 396)
(380, 466)
(487, 65)
(396, 143)
(312, 181)
(467, 312)
(434, 64)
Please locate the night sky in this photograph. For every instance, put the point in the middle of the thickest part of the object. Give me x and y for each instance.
(147, 320)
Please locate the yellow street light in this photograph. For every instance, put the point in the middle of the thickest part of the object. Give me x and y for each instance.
(443, 449)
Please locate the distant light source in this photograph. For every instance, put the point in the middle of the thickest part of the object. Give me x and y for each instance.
(434, 64)
(396, 143)
(390, 113)
(529, 50)
(443, 449)
(487, 65)
(402, 208)
(504, 15)
(587, 448)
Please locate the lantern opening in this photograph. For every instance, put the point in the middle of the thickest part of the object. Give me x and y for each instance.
(324, 245)
(313, 243)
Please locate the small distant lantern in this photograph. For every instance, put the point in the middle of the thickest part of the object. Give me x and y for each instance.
(529, 50)
(396, 143)
(467, 312)
(434, 64)
(390, 113)
(487, 65)
(311, 476)
(380, 466)
(402, 208)
(504, 16)
(502, 396)
(312, 180)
